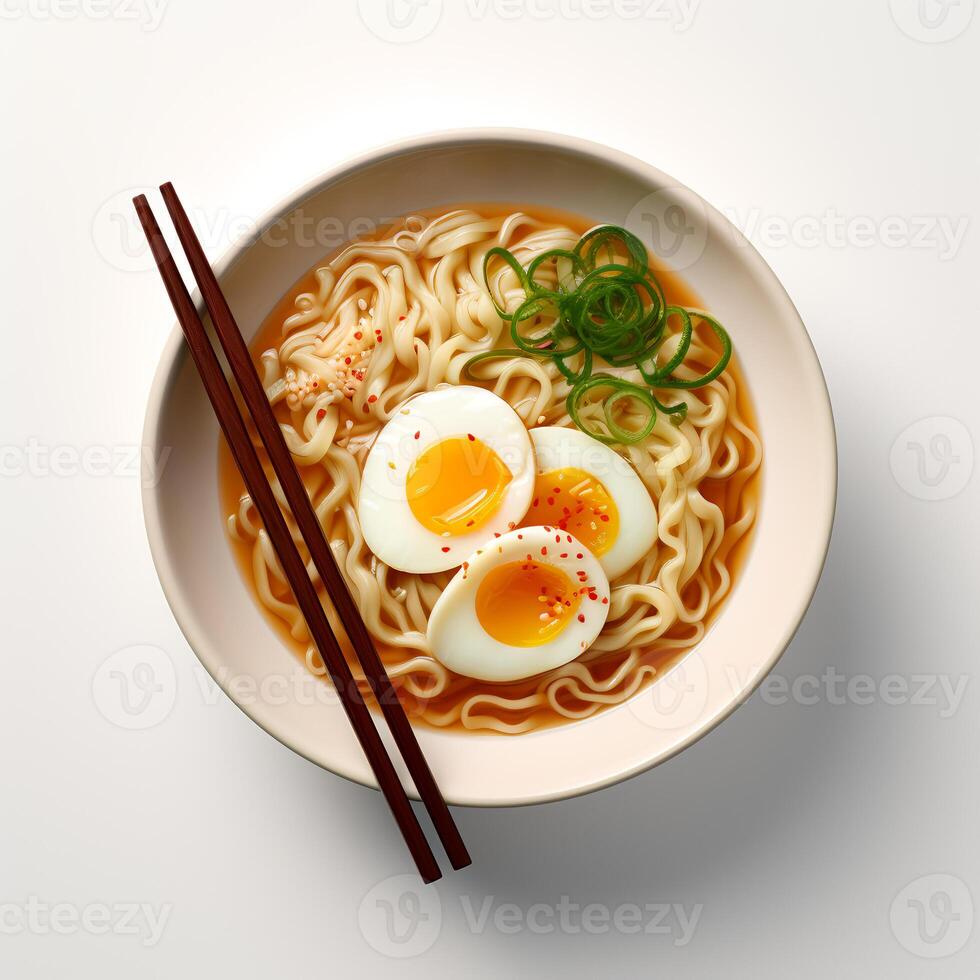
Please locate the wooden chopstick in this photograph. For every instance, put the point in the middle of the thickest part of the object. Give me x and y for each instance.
(299, 502)
(226, 409)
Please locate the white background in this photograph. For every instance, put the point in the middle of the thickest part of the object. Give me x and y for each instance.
(803, 832)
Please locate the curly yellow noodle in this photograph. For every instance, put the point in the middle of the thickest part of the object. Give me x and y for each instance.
(420, 287)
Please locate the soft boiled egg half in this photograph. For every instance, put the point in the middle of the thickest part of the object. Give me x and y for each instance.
(585, 488)
(525, 603)
(452, 468)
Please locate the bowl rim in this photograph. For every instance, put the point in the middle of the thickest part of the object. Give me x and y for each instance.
(169, 361)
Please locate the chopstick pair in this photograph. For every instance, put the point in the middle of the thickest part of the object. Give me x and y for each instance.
(226, 409)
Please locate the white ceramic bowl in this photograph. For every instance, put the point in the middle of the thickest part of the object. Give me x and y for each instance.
(238, 646)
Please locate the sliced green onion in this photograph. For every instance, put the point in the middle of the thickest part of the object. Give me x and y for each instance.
(605, 302)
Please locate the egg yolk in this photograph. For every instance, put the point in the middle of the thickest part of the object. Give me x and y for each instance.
(526, 603)
(454, 486)
(578, 503)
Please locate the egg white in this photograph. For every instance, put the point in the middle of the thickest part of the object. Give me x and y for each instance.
(387, 522)
(558, 448)
(457, 638)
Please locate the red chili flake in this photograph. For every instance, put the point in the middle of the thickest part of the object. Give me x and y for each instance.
(346, 360)
(401, 318)
(372, 398)
(564, 554)
(556, 491)
(321, 415)
(535, 502)
(593, 596)
(520, 537)
(417, 434)
(511, 525)
(544, 551)
(496, 534)
(605, 600)
(358, 335)
(557, 539)
(470, 523)
(603, 517)
(580, 556)
(445, 550)
(581, 618)
(569, 537)
(551, 501)
(471, 437)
